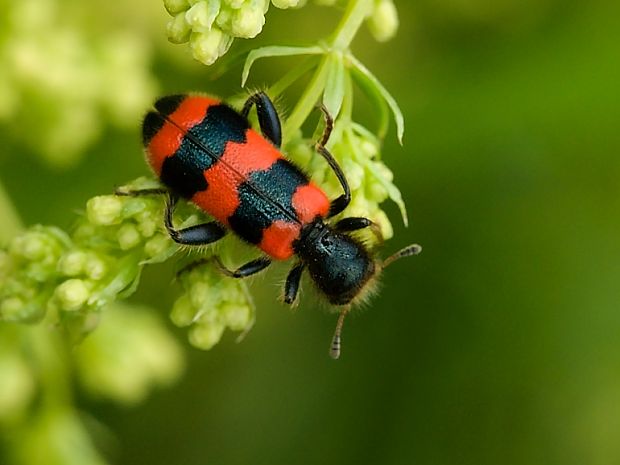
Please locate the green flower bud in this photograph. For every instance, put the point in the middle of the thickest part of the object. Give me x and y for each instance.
(183, 312)
(72, 294)
(84, 231)
(236, 4)
(205, 336)
(203, 295)
(201, 16)
(176, 6)
(369, 149)
(383, 22)
(385, 226)
(32, 245)
(287, 3)
(355, 173)
(104, 210)
(224, 19)
(147, 226)
(237, 317)
(72, 263)
(376, 192)
(208, 47)
(95, 267)
(156, 245)
(247, 23)
(135, 206)
(128, 236)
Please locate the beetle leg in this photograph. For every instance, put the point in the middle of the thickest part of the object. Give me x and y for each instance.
(200, 234)
(291, 287)
(268, 118)
(141, 192)
(340, 203)
(356, 223)
(246, 270)
(243, 271)
(352, 224)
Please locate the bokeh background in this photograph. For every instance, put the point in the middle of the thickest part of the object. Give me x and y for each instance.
(499, 344)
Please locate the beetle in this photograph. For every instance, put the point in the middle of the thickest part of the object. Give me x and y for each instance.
(206, 152)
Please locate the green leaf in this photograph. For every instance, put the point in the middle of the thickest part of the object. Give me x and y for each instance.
(335, 84)
(376, 98)
(374, 82)
(292, 75)
(275, 51)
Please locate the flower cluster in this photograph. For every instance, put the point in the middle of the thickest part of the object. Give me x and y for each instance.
(46, 273)
(211, 25)
(210, 304)
(66, 83)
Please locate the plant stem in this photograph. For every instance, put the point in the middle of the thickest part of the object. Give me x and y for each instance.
(308, 100)
(356, 12)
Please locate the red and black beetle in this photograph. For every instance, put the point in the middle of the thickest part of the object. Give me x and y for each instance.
(206, 152)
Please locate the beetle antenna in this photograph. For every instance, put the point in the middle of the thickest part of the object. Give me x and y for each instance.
(408, 251)
(334, 350)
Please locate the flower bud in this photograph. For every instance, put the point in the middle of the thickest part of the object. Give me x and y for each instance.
(95, 267)
(72, 263)
(237, 317)
(183, 312)
(247, 23)
(207, 47)
(176, 6)
(72, 294)
(128, 236)
(104, 210)
(287, 3)
(156, 245)
(205, 336)
(200, 17)
(383, 22)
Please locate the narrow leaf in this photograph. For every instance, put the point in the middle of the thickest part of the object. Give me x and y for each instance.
(376, 98)
(275, 51)
(398, 116)
(335, 84)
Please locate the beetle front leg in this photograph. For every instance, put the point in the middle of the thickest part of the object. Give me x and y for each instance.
(342, 202)
(268, 118)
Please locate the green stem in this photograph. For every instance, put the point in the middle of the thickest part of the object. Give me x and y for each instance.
(11, 223)
(355, 14)
(308, 100)
(289, 78)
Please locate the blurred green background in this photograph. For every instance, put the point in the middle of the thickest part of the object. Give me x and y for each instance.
(499, 343)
